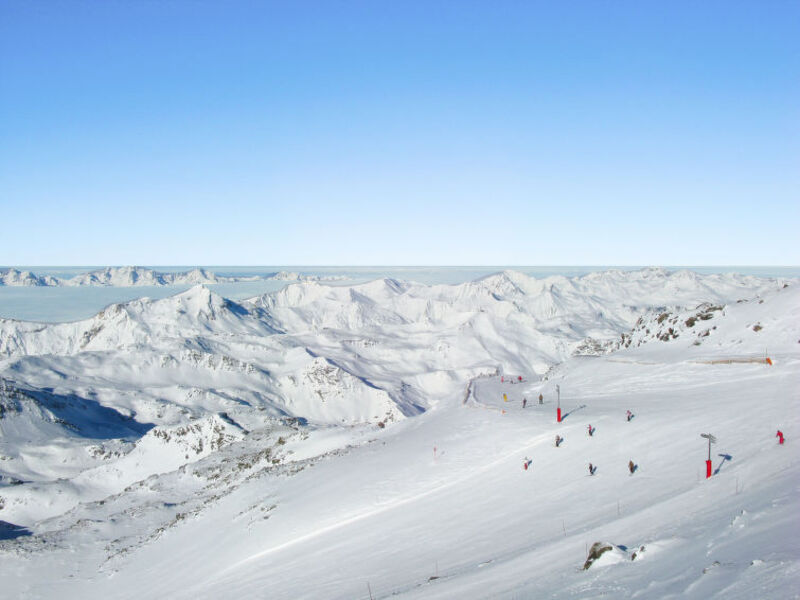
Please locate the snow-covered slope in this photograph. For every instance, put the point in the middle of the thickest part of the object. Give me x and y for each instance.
(264, 447)
(759, 330)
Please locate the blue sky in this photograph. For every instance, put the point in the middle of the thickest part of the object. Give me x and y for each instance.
(398, 133)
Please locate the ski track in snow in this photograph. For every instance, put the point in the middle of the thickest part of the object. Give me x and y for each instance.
(392, 506)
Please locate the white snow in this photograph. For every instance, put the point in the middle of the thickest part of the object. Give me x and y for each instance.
(342, 442)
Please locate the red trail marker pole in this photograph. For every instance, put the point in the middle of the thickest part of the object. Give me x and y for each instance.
(558, 410)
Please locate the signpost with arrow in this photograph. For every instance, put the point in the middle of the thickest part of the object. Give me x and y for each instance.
(711, 440)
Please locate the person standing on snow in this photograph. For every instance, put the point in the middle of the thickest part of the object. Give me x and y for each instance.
(591, 469)
(524, 402)
(590, 430)
(779, 435)
(631, 466)
(559, 439)
(629, 415)
(541, 398)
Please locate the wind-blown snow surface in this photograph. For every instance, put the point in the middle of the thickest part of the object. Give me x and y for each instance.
(324, 442)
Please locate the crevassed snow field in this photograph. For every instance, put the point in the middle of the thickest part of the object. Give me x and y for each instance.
(369, 440)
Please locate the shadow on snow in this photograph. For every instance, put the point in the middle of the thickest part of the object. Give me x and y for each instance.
(9, 531)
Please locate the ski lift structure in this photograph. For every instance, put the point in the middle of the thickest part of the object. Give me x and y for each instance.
(711, 440)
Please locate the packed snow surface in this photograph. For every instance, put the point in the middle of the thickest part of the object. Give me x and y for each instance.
(370, 441)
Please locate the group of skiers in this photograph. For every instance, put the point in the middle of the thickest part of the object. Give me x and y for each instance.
(525, 401)
(632, 467)
(593, 468)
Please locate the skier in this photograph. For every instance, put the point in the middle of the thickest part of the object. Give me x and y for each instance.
(779, 435)
(629, 415)
(559, 439)
(524, 402)
(591, 469)
(631, 466)
(540, 398)
(527, 462)
(590, 430)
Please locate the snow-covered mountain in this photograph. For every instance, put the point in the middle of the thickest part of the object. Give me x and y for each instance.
(519, 323)
(136, 276)
(166, 433)
(131, 276)
(25, 278)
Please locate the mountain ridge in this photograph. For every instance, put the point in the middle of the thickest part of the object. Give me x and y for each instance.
(132, 276)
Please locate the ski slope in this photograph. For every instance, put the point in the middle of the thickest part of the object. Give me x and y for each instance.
(436, 504)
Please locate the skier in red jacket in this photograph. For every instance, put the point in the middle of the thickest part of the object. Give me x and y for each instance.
(779, 435)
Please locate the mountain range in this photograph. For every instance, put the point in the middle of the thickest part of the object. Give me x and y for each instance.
(135, 276)
(196, 419)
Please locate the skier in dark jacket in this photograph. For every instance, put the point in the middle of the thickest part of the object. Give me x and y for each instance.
(591, 469)
(631, 466)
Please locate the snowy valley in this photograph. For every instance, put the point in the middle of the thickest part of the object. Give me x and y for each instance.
(368, 441)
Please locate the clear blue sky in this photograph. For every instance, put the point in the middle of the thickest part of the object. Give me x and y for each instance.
(430, 133)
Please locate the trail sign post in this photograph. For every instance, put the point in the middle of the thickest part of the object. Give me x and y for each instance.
(558, 410)
(711, 440)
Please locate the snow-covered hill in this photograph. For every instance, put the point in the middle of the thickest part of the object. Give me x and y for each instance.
(343, 442)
